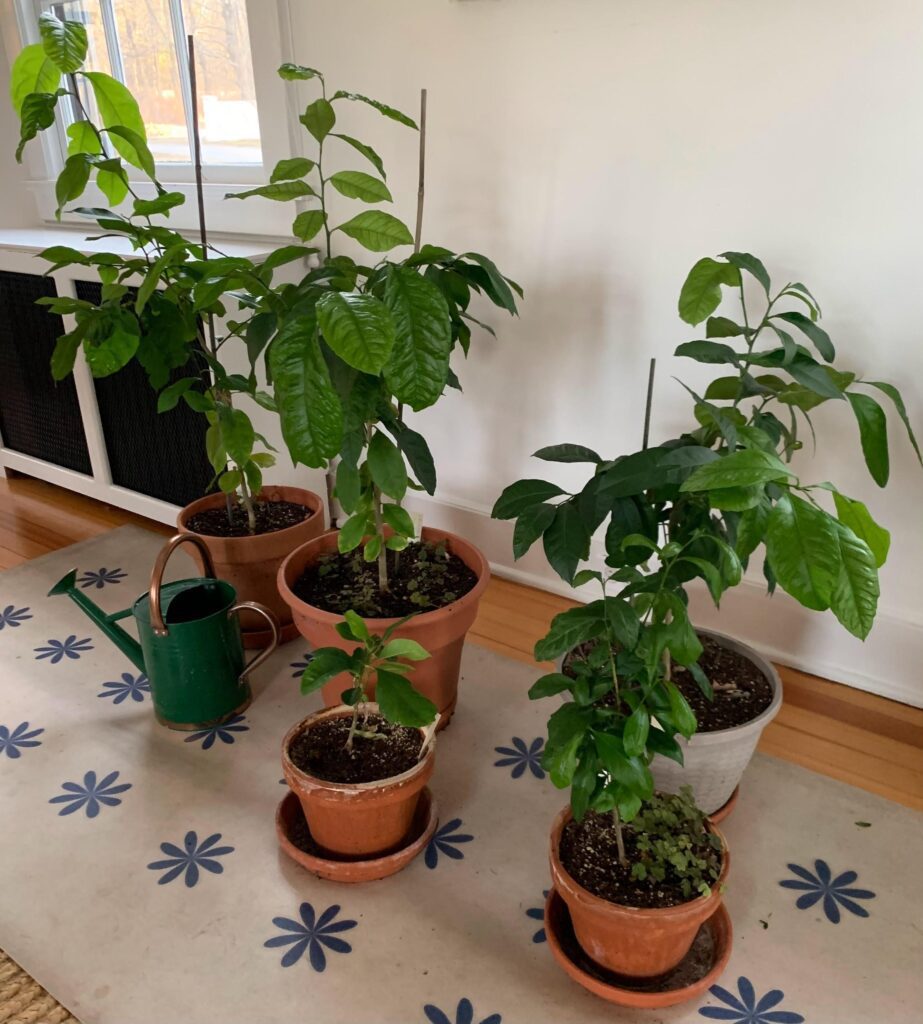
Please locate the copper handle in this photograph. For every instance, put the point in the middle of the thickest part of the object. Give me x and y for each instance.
(160, 566)
(260, 609)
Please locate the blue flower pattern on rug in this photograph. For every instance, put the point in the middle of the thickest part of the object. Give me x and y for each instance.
(300, 666)
(464, 1014)
(131, 686)
(57, 650)
(188, 860)
(224, 732)
(745, 1009)
(312, 935)
(538, 914)
(521, 757)
(91, 795)
(14, 617)
(100, 577)
(821, 885)
(13, 743)
(445, 840)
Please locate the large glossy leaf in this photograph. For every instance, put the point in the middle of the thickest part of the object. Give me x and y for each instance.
(32, 72)
(377, 231)
(281, 191)
(571, 628)
(310, 413)
(418, 367)
(701, 293)
(36, 115)
(72, 180)
(530, 525)
(813, 376)
(496, 286)
(654, 467)
(297, 72)
(382, 108)
(854, 598)
(803, 550)
(82, 139)
(65, 42)
(754, 266)
(744, 468)
(163, 203)
(290, 169)
(567, 453)
(308, 224)
(115, 349)
(708, 352)
(751, 529)
(319, 119)
(873, 433)
(819, 337)
(236, 433)
(117, 107)
(400, 703)
(566, 541)
(367, 151)
(857, 517)
(891, 391)
(359, 185)
(521, 495)
(326, 663)
(418, 455)
(386, 465)
(358, 328)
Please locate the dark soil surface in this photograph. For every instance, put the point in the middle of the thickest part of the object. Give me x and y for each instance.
(742, 692)
(270, 517)
(424, 578)
(590, 855)
(321, 750)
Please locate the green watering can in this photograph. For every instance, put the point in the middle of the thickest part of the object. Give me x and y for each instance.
(190, 649)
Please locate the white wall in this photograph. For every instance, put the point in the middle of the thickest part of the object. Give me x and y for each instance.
(596, 149)
(17, 209)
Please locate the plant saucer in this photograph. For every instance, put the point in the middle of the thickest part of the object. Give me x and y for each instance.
(698, 970)
(292, 829)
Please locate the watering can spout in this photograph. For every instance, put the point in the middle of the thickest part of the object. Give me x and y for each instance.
(125, 642)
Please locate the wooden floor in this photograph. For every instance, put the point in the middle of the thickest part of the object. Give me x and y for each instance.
(868, 741)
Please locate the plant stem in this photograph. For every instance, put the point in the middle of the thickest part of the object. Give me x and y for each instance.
(247, 501)
(379, 532)
(323, 180)
(418, 235)
(619, 837)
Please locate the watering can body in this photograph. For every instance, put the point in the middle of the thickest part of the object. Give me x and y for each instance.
(189, 643)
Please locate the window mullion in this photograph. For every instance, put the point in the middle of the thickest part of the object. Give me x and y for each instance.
(111, 31)
(181, 46)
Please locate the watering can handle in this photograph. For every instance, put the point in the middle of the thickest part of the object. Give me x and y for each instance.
(273, 622)
(160, 628)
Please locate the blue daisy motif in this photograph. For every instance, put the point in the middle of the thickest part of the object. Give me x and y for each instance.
(12, 616)
(224, 732)
(445, 841)
(91, 795)
(538, 914)
(300, 666)
(312, 935)
(13, 743)
(746, 1009)
(131, 686)
(464, 1014)
(188, 860)
(100, 577)
(821, 885)
(522, 757)
(57, 650)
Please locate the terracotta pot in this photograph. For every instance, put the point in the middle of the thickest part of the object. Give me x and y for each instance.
(250, 564)
(441, 632)
(634, 941)
(356, 820)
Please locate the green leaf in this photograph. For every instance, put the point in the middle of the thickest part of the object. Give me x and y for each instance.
(115, 350)
(814, 377)
(281, 191)
(398, 519)
(352, 532)
(358, 328)
(170, 396)
(735, 499)
(566, 541)
(365, 150)
(72, 180)
(83, 139)
(802, 549)
(404, 648)
(636, 730)
(382, 108)
(530, 525)
(818, 336)
(348, 485)
(419, 457)
(359, 185)
(854, 598)
(236, 434)
(357, 626)
(65, 354)
(297, 72)
(400, 703)
(327, 663)
(497, 287)
(386, 464)
(744, 261)
(744, 468)
(36, 115)
(708, 352)
(310, 412)
(571, 628)
(307, 224)
(567, 453)
(137, 144)
(623, 621)
(857, 517)
(523, 494)
(550, 685)
(163, 203)
(377, 231)
(319, 119)
(654, 467)
(873, 433)
(112, 183)
(287, 170)
(629, 771)
(118, 108)
(417, 369)
(682, 714)
(229, 482)
(65, 42)
(751, 529)
(701, 293)
(891, 391)
(32, 72)
(722, 327)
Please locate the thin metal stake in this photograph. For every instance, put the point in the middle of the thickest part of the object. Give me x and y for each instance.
(650, 400)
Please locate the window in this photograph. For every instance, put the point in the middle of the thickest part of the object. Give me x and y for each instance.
(143, 44)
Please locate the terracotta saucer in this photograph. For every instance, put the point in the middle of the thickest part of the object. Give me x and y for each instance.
(257, 639)
(685, 982)
(290, 817)
(725, 809)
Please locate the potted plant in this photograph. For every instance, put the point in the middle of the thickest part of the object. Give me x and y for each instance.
(387, 333)
(159, 304)
(359, 769)
(639, 872)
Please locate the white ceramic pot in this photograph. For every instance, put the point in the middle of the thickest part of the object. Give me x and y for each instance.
(715, 761)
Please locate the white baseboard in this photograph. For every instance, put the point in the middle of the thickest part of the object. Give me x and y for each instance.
(888, 663)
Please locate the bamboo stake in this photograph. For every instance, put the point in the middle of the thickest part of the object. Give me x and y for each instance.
(650, 401)
(418, 236)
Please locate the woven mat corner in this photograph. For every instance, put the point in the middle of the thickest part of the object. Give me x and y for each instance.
(24, 1001)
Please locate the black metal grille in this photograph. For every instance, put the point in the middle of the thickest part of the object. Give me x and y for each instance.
(38, 416)
(159, 454)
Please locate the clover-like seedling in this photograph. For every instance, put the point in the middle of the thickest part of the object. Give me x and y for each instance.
(382, 659)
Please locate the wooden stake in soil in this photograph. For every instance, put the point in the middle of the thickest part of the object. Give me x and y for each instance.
(650, 401)
(418, 236)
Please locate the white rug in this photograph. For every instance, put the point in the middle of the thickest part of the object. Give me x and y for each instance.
(102, 904)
